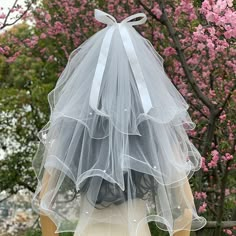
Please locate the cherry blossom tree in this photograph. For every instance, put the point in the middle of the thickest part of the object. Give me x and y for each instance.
(197, 41)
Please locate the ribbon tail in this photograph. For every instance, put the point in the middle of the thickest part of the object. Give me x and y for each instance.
(136, 68)
(99, 71)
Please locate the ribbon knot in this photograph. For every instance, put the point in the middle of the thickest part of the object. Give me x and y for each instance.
(107, 19)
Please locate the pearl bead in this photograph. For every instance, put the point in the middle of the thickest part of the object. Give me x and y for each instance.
(90, 113)
(178, 207)
(134, 220)
(154, 167)
(125, 109)
(86, 212)
(104, 170)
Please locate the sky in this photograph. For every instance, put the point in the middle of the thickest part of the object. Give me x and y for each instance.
(6, 4)
(9, 3)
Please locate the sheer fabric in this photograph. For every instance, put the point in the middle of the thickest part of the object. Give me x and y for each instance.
(116, 135)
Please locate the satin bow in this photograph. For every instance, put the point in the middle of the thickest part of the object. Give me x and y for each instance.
(131, 54)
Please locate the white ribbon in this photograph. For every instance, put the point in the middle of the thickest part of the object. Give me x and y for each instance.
(131, 54)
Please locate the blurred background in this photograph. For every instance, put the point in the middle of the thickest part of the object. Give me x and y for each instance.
(197, 41)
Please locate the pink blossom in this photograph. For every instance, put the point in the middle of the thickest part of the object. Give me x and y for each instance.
(206, 5)
(227, 192)
(6, 48)
(230, 3)
(222, 117)
(230, 34)
(47, 17)
(11, 59)
(203, 130)
(111, 8)
(169, 51)
(204, 166)
(214, 152)
(192, 132)
(2, 16)
(212, 92)
(43, 50)
(202, 208)
(204, 195)
(219, 6)
(228, 231)
(215, 158)
(35, 38)
(43, 36)
(186, 7)
(201, 46)
(51, 58)
(228, 156)
(200, 195)
(156, 11)
(210, 44)
(58, 24)
(2, 51)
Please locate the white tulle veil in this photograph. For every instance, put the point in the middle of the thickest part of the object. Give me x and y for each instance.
(117, 132)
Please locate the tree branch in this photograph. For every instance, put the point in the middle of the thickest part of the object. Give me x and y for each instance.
(8, 14)
(27, 186)
(220, 211)
(224, 224)
(223, 104)
(165, 21)
(5, 24)
(210, 132)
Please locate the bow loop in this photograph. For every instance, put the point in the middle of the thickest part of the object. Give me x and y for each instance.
(108, 19)
(104, 17)
(138, 22)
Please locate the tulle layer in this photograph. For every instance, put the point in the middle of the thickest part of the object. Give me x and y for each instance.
(127, 167)
(161, 150)
(92, 177)
(119, 96)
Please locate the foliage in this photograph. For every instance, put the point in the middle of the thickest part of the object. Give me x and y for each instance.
(197, 41)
